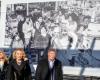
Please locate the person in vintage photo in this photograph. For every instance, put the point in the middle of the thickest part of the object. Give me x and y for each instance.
(19, 68)
(72, 28)
(28, 30)
(17, 42)
(41, 37)
(82, 35)
(20, 27)
(49, 68)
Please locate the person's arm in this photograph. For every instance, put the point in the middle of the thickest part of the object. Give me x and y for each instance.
(28, 75)
(60, 71)
(10, 73)
(38, 72)
(33, 31)
(75, 27)
(24, 28)
(5, 70)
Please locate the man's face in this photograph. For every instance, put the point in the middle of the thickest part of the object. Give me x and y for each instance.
(21, 18)
(86, 21)
(56, 32)
(64, 31)
(51, 55)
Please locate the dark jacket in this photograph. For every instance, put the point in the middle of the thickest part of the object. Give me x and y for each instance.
(3, 73)
(19, 72)
(20, 32)
(43, 71)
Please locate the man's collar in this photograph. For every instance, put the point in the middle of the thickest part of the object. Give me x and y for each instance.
(51, 60)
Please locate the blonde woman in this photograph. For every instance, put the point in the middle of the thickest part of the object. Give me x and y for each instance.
(19, 68)
(3, 66)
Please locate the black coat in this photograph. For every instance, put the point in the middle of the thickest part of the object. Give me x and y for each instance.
(19, 72)
(3, 73)
(21, 34)
(43, 71)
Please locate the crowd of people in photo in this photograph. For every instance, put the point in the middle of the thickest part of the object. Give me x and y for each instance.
(62, 29)
(41, 25)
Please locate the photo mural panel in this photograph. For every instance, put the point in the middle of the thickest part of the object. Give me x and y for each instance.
(71, 27)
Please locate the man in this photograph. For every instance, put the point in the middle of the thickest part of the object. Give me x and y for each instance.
(83, 39)
(20, 24)
(60, 41)
(50, 68)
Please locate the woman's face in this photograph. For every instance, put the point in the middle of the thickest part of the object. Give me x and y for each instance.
(19, 55)
(17, 38)
(2, 59)
(40, 19)
(70, 18)
(1, 56)
(27, 20)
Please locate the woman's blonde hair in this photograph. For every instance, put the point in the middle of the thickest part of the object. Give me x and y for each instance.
(4, 56)
(19, 49)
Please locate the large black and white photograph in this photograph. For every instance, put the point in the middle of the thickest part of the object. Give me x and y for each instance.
(72, 27)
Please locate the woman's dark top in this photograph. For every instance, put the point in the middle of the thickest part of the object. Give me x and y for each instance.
(19, 72)
(3, 72)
